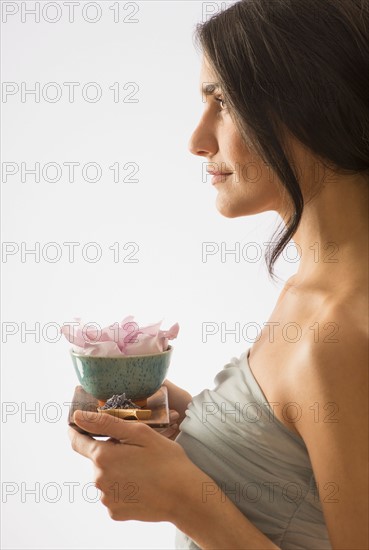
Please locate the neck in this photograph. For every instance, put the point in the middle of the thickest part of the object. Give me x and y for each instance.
(332, 238)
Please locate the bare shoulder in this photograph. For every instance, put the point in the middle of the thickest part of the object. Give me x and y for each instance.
(331, 388)
(335, 359)
(334, 364)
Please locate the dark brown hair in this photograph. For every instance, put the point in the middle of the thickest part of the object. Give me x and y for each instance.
(302, 63)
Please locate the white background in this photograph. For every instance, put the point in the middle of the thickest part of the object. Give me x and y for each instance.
(170, 212)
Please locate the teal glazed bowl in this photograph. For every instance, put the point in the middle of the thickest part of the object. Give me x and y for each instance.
(138, 376)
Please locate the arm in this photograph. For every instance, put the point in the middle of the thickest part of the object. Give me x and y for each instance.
(146, 477)
(332, 387)
(211, 519)
(206, 514)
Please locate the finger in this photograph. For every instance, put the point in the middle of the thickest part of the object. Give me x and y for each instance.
(170, 427)
(85, 445)
(169, 432)
(173, 415)
(132, 432)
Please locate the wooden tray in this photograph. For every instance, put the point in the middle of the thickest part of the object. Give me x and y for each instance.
(157, 403)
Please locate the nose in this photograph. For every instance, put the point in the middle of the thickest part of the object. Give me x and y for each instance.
(203, 141)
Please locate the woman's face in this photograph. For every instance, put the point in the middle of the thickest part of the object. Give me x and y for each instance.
(250, 186)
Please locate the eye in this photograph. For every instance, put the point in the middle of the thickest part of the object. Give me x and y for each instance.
(222, 102)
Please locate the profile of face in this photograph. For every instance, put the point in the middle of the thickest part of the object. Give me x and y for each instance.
(248, 185)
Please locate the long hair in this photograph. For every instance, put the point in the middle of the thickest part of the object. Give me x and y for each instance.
(302, 63)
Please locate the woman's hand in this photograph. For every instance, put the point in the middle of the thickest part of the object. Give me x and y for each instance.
(172, 430)
(144, 476)
(178, 399)
(139, 472)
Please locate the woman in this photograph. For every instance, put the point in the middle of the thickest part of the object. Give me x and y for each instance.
(276, 455)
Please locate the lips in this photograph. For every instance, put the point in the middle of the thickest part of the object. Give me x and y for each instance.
(219, 176)
(218, 173)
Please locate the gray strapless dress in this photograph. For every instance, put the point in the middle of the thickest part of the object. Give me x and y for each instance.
(231, 434)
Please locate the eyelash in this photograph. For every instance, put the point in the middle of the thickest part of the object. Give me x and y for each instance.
(221, 100)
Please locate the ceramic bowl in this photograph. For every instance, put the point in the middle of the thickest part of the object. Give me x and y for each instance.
(138, 376)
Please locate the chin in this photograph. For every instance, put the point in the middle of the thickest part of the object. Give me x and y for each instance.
(230, 213)
(234, 209)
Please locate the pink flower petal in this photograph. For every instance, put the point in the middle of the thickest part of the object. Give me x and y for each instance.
(124, 338)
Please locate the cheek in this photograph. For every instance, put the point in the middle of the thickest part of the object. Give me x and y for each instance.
(250, 169)
(232, 145)
(253, 188)
(240, 157)
(252, 172)
(250, 191)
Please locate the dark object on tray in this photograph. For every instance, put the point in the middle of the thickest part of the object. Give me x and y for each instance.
(119, 402)
(157, 403)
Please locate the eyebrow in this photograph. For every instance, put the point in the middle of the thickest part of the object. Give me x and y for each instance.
(209, 88)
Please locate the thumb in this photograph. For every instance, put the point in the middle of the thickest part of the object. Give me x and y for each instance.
(132, 432)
